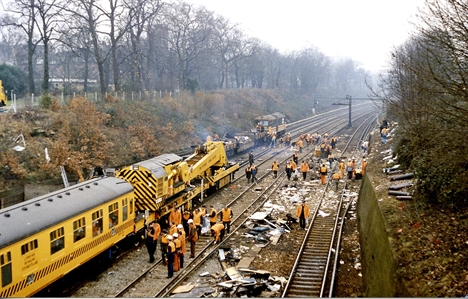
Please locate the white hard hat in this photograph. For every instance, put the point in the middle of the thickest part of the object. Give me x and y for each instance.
(180, 226)
(175, 235)
(169, 237)
(190, 221)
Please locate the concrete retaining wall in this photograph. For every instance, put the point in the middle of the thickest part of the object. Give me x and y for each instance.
(378, 264)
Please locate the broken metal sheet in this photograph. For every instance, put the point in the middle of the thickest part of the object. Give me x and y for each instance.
(221, 255)
(232, 273)
(259, 215)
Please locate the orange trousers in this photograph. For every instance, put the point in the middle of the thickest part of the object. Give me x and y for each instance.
(323, 179)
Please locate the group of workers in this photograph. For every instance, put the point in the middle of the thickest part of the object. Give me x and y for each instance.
(185, 227)
(326, 145)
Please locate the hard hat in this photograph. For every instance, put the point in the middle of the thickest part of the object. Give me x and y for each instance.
(190, 221)
(169, 237)
(180, 226)
(175, 235)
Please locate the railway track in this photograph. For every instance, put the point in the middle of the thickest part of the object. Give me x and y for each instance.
(315, 267)
(155, 274)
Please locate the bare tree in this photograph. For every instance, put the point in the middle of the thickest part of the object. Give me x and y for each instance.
(25, 14)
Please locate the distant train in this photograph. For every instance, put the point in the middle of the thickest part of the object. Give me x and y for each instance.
(46, 237)
(263, 128)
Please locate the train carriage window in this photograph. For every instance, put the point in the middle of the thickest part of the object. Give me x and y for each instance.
(113, 214)
(124, 209)
(97, 223)
(79, 231)
(57, 240)
(5, 263)
(25, 248)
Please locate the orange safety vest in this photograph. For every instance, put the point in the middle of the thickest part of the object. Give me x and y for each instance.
(226, 214)
(304, 167)
(299, 210)
(213, 218)
(197, 218)
(274, 166)
(164, 239)
(175, 217)
(336, 176)
(182, 240)
(323, 170)
(171, 247)
(157, 231)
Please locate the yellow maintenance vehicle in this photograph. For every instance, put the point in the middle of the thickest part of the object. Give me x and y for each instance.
(3, 98)
(168, 181)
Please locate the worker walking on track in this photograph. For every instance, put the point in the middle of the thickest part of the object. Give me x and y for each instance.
(248, 173)
(192, 237)
(336, 180)
(183, 247)
(288, 170)
(349, 169)
(226, 216)
(323, 174)
(342, 168)
(170, 257)
(254, 171)
(275, 167)
(302, 212)
(304, 169)
(217, 232)
(363, 166)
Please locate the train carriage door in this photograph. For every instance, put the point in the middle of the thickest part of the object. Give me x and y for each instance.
(124, 209)
(5, 263)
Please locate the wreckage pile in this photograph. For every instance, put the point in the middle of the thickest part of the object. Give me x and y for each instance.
(232, 272)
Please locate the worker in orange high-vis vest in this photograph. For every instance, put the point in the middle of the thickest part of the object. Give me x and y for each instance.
(323, 174)
(175, 216)
(178, 246)
(336, 180)
(213, 216)
(217, 232)
(197, 220)
(304, 169)
(342, 168)
(363, 166)
(275, 167)
(170, 256)
(226, 216)
(183, 248)
(302, 213)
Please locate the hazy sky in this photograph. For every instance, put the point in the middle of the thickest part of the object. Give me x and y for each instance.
(364, 30)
